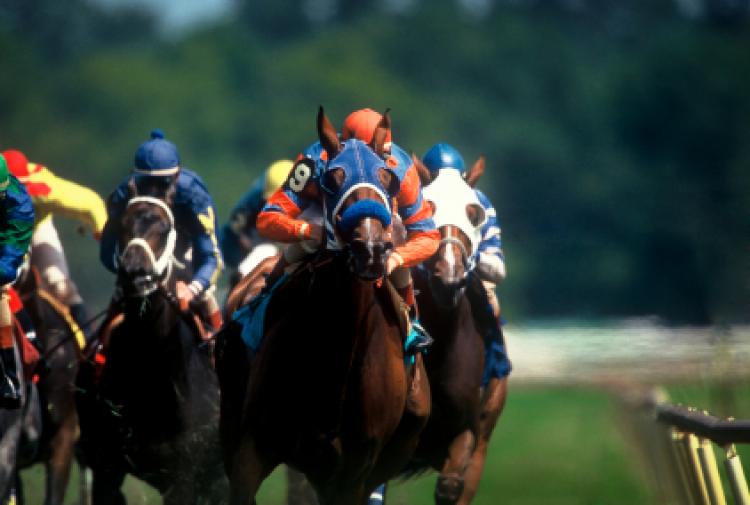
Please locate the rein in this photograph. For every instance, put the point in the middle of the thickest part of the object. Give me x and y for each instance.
(76, 331)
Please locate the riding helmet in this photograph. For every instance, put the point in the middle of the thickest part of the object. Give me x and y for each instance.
(17, 162)
(276, 175)
(361, 124)
(444, 155)
(157, 156)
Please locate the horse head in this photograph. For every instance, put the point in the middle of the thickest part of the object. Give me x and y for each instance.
(358, 187)
(459, 216)
(147, 241)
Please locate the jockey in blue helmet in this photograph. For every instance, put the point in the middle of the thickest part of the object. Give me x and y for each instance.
(489, 261)
(157, 165)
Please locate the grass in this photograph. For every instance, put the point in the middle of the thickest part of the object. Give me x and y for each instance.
(553, 445)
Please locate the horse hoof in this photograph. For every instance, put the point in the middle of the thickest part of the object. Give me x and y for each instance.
(448, 489)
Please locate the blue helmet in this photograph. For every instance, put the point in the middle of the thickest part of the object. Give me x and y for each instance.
(157, 156)
(444, 156)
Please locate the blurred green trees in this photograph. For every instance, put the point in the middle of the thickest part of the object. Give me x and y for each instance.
(616, 137)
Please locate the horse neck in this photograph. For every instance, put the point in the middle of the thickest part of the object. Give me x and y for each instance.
(445, 324)
(154, 317)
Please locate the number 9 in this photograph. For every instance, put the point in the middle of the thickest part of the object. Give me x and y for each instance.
(299, 177)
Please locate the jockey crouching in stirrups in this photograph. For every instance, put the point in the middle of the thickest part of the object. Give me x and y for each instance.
(293, 214)
(483, 279)
(16, 227)
(157, 170)
(55, 195)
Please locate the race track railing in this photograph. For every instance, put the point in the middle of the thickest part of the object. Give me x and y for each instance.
(692, 434)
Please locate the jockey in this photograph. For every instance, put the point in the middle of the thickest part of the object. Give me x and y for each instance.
(16, 227)
(489, 261)
(239, 236)
(293, 213)
(55, 195)
(157, 164)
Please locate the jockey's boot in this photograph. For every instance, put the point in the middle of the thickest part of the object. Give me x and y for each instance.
(27, 325)
(10, 387)
(418, 338)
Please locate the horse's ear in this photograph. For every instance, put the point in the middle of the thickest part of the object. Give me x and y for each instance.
(381, 132)
(425, 177)
(327, 135)
(132, 188)
(475, 172)
(171, 191)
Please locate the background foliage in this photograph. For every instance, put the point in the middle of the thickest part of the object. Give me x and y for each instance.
(615, 132)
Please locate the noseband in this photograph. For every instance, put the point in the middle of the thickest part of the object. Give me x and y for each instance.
(163, 264)
(465, 256)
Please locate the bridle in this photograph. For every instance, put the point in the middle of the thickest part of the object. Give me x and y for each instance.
(162, 266)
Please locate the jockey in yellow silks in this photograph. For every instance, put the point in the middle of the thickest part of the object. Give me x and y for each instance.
(53, 195)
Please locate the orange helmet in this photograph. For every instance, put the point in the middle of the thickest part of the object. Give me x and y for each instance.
(361, 124)
(17, 162)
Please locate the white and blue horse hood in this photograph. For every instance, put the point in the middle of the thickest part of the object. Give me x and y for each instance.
(451, 196)
(361, 166)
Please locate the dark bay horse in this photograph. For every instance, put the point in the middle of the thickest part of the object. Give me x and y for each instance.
(154, 411)
(455, 440)
(328, 392)
(60, 342)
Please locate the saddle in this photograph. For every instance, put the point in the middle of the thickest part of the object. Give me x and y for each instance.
(251, 314)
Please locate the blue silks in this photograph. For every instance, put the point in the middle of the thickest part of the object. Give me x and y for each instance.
(252, 316)
(360, 210)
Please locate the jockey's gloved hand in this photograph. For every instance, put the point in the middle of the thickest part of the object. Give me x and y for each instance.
(184, 295)
(316, 232)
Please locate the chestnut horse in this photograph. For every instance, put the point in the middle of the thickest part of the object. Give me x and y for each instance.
(60, 341)
(154, 411)
(455, 440)
(328, 392)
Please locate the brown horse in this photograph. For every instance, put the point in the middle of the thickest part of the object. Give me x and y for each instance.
(328, 392)
(455, 440)
(60, 342)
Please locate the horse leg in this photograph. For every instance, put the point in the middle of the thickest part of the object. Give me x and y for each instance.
(106, 487)
(450, 483)
(493, 402)
(403, 443)
(247, 472)
(58, 465)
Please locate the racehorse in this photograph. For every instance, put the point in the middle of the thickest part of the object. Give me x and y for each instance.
(454, 442)
(328, 392)
(153, 412)
(60, 341)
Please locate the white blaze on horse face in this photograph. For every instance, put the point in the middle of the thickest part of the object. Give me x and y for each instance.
(450, 258)
(451, 195)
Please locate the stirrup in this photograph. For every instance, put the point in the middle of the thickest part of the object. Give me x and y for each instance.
(418, 339)
(10, 394)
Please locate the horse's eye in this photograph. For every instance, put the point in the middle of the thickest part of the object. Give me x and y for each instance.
(389, 181)
(333, 180)
(432, 206)
(475, 213)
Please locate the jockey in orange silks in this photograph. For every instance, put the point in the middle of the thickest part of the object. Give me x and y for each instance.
(293, 214)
